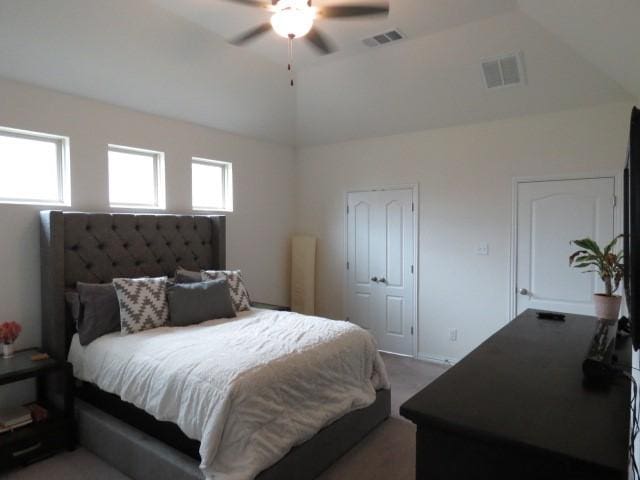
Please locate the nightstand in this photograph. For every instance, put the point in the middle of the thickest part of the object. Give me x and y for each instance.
(269, 306)
(38, 440)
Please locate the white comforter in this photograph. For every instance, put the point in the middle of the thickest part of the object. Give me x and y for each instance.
(249, 389)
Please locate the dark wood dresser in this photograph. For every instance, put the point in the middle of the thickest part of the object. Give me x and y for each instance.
(517, 407)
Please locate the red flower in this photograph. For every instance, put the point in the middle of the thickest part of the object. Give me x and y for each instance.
(9, 332)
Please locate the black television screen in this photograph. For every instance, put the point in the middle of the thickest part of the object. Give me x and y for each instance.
(632, 227)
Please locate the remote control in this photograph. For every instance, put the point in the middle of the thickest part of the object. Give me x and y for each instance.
(559, 317)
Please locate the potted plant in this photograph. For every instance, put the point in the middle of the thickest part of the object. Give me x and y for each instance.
(9, 332)
(608, 264)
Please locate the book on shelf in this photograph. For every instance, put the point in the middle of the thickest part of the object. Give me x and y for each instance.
(5, 428)
(14, 417)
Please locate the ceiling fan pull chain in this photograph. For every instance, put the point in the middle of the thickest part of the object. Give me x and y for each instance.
(291, 37)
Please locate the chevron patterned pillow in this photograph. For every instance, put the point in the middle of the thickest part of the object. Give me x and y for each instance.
(143, 303)
(239, 293)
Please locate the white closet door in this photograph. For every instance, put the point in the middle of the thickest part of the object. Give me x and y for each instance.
(361, 242)
(395, 279)
(550, 215)
(380, 290)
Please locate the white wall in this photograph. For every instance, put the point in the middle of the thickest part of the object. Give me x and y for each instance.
(465, 177)
(464, 174)
(257, 231)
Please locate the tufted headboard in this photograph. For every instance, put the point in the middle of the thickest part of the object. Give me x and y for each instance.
(97, 247)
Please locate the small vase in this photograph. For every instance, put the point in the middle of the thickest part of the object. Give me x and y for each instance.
(607, 307)
(7, 350)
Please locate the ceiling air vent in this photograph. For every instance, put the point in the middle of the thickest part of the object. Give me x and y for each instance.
(383, 38)
(503, 71)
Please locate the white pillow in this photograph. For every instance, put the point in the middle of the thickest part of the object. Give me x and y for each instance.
(239, 293)
(143, 303)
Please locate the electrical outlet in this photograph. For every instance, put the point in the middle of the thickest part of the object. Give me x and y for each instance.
(453, 334)
(482, 249)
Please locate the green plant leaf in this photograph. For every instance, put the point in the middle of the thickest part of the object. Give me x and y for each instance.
(604, 262)
(574, 255)
(586, 264)
(589, 245)
(582, 256)
(611, 244)
(593, 258)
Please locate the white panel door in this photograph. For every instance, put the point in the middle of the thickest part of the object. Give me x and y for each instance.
(380, 251)
(360, 286)
(550, 215)
(395, 282)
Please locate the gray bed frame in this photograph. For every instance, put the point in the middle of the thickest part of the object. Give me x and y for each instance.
(97, 247)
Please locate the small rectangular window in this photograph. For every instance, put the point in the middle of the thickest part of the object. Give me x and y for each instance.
(212, 185)
(136, 178)
(34, 168)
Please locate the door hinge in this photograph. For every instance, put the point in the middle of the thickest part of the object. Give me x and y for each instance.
(347, 209)
(411, 268)
(413, 206)
(347, 265)
(411, 329)
(615, 201)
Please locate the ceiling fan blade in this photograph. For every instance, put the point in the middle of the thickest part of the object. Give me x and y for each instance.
(348, 11)
(251, 34)
(253, 3)
(319, 41)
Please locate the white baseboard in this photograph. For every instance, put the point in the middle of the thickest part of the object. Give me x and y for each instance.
(396, 354)
(426, 358)
(437, 359)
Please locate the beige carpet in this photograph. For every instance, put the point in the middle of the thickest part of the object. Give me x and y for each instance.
(77, 465)
(386, 453)
(408, 377)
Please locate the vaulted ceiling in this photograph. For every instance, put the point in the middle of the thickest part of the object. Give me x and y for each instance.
(170, 57)
(138, 55)
(606, 33)
(416, 18)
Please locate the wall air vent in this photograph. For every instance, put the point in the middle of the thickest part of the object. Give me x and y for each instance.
(503, 71)
(384, 38)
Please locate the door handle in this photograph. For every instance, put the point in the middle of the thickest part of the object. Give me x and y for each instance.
(383, 280)
(523, 291)
(374, 279)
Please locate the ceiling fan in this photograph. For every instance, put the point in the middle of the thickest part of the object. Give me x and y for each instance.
(293, 19)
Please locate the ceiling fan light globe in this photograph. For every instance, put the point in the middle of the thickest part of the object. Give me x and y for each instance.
(293, 21)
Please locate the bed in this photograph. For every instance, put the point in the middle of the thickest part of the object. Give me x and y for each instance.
(96, 248)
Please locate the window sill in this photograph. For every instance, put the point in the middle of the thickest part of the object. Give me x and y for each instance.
(212, 210)
(137, 207)
(42, 203)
